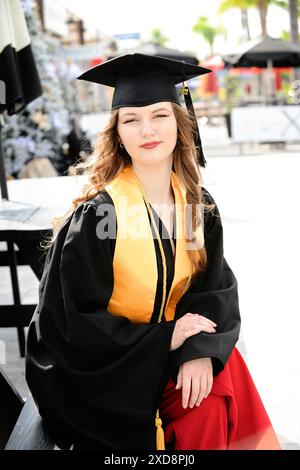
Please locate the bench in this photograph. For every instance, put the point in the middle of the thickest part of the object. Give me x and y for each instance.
(11, 404)
(29, 432)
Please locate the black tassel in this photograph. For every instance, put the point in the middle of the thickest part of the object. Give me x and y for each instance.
(189, 104)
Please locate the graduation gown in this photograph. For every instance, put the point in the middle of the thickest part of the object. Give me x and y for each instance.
(97, 358)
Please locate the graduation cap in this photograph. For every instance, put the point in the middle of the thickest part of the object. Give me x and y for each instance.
(141, 80)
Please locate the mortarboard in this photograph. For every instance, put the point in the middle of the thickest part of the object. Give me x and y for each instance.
(141, 80)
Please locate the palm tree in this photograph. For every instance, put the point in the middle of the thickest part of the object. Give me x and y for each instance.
(158, 38)
(243, 5)
(294, 9)
(208, 32)
(261, 5)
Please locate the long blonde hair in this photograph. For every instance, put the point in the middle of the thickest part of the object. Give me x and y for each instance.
(109, 159)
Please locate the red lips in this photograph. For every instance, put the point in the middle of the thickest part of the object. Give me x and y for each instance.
(150, 145)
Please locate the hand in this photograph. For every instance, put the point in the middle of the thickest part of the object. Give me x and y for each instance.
(196, 380)
(188, 325)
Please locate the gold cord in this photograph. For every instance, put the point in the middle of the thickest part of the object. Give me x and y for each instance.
(160, 441)
(160, 248)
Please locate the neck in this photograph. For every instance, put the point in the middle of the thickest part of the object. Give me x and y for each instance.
(156, 182)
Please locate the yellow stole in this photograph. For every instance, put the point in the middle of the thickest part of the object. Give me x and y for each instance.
(134, 263)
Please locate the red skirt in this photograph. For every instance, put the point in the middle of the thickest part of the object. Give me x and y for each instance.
(232, 417)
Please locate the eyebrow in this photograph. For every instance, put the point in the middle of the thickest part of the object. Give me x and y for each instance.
(154, 111)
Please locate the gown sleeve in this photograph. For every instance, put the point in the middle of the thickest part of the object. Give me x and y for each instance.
(92, 374)
(213, 294)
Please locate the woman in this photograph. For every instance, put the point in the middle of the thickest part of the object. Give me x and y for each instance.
(132, 345)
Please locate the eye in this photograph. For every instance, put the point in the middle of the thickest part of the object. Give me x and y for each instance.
(130, 120)
(161, 115)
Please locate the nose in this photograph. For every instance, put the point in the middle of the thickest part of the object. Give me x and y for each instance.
(147, 128)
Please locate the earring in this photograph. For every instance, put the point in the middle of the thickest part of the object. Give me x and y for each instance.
(121, 145)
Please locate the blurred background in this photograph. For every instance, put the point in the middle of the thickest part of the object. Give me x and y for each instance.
(252, 47)
(248, 111)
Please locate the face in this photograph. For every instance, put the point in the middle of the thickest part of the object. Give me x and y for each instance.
(148, 133)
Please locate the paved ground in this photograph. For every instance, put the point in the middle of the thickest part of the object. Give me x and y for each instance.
(258, 196)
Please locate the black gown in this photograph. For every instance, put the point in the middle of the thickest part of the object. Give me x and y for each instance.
(97, 378)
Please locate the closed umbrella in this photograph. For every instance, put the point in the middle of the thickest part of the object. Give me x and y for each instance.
(19, 80)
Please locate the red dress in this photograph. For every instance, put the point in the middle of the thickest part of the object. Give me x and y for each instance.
(232, 417)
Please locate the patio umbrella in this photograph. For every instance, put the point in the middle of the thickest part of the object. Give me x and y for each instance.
(266, 53)
(19, 80)
(260, 53)
(156, 50)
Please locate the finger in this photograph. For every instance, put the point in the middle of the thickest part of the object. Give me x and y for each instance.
(192, 332)
(210, 382)
(207, 319)
(195, 390)
(208, 328)
(207, 324)
(203, 389)
(195, 317)
(197, 330)
(186, 389)
(179, 379)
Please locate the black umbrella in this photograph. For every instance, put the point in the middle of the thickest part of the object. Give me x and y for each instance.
(19, 80)
(265, 53)
(260, 53)
(156, 50)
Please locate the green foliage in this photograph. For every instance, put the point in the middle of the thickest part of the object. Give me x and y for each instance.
(158, 38)
(232, 85)
(226, 5)
(207, 31)
(285, 35)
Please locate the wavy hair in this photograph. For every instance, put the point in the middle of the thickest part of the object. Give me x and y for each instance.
(109, 159)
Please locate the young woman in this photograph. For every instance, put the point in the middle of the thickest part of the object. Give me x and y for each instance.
(132, 345)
